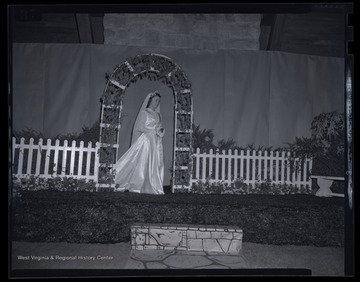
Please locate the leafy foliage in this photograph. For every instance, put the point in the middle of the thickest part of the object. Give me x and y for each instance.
(227, 145)
(239, 187)
(36, 183)
(329, 128)
(88, 133)
(325, 146)
(204, 139)
(28, 133)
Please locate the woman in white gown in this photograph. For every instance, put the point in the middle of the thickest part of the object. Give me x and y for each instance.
(141, 168)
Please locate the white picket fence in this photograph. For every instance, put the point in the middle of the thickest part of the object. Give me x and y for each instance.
(47, 160)
(251, 167)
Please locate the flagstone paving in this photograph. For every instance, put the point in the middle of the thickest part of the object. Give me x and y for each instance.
(183, 260)
(322, 261)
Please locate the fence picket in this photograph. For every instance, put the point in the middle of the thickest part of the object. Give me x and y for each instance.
(259, 167)
(21, 155)
(64, 157)
(241, 164)
(298, 172)
(253, 177)
(88, 159)
(47, 157)
(266, 177)
(229, 166)
(288, 180)
(72, 157)
(56, 156)
(211, 157)
(197, 172)
(30, 154)
(203, 173)
(97, 161)
(38, 158)
(277, 167)
(282, 179)
(217, 165)
(81, 150)
(293, 179)
(223, 165)
(247, 166)
(304, 171)
(235, 164)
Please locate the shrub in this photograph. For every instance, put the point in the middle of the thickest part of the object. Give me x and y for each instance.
(84, 217)
(35, 183)
(204, 139)
(325, 146)
(208, 187)
(239, 187)
(89, 133)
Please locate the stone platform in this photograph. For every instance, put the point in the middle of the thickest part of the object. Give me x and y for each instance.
(183, 237)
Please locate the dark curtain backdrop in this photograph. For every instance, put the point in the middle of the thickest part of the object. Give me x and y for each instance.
(253, 97)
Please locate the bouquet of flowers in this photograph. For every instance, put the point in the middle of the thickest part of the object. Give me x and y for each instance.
(160, 131)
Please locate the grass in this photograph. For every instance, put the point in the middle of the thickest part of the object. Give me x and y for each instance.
(106, 217)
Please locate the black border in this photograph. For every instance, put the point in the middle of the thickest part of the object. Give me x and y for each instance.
(345, 7)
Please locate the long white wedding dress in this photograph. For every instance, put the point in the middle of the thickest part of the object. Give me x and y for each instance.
(141, 168)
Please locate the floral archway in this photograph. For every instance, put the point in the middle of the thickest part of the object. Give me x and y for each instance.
(153, 67)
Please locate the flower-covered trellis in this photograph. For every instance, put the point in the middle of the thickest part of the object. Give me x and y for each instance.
(153, 67)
